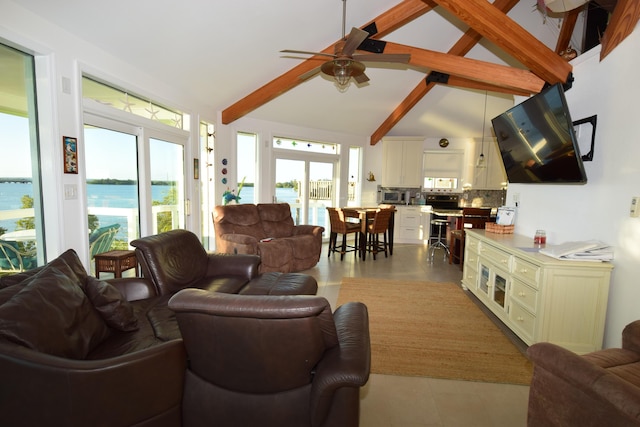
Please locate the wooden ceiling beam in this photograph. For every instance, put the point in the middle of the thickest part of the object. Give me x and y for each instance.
(568, 25)
(476, 85)
(623, 20)
(473, 69)
(388, 21)
(497, 27)
(469, 39)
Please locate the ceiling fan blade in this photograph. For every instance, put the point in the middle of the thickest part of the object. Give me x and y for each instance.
(304, 52)
(402, 58)
(354, 39)
(362, 78)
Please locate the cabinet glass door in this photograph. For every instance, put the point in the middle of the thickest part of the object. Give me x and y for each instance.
(484, 279)
(499, 289)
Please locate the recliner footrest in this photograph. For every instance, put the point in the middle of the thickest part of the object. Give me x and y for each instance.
(275, 283)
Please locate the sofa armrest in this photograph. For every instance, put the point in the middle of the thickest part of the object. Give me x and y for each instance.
(315, 230)
(596, 382)
(241, 265)
(631, 336)
(346, 365)
(39, 389)
(134, 288)
(237, 244)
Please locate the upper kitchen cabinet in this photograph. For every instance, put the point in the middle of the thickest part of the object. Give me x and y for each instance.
(492, 175)
(402, 162)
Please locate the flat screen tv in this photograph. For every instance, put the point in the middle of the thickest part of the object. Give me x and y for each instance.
(537, 141)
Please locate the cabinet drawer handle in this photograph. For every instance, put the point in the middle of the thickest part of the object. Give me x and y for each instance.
(522, 294)
(524, 270)
(504, 261)
(520, 319)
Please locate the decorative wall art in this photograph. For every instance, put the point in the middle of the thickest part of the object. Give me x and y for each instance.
(70, 154)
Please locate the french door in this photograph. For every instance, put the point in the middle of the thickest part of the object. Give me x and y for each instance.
(308, 185)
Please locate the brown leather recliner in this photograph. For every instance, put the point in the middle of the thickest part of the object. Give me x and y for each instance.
(596, 389)
(176, 259)
(243, 229)
(271, 361)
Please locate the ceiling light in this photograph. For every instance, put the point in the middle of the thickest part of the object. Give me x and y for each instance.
(482, 163)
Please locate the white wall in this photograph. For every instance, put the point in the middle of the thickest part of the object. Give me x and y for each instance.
(599, 209)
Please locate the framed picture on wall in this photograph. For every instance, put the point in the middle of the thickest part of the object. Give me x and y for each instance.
(70, 154)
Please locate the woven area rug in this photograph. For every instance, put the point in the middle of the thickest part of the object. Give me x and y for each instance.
(434, 330)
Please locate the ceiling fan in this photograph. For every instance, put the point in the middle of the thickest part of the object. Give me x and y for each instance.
(345, 63)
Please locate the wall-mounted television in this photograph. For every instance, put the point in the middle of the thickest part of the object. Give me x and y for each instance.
(537, 141)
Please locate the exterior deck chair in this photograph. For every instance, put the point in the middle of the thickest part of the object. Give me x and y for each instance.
(102, 238)
(14, 259)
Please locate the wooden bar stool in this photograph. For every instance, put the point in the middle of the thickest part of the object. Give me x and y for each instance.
(340, 226)
(471, 218)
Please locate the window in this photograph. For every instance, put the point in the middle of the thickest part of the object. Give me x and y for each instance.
(442, 170)
(135, 168)
(246, 166)
(21, 223)
(122, 100)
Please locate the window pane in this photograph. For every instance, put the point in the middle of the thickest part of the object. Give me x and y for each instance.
(167, 185)
(246, 143)
(112, 189)
(21, 230)
(306, 146)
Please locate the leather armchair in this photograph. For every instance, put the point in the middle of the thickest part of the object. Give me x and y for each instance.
(176, 259)
(271, 361)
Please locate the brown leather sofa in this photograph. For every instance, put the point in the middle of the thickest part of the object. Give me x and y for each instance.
(259, 361)
(76, 351)
(243, 229)
(591, 390)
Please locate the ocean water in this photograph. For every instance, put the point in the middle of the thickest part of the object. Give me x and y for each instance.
(98, 195)
(118, 196)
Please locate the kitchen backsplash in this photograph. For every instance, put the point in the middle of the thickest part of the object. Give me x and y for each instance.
(483, 198)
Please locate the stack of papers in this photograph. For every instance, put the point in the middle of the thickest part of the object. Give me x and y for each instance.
(591, 250)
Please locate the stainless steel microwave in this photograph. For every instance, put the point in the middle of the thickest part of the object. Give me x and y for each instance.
(390, 196)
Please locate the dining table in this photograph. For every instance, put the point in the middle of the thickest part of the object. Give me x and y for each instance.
(364, 215)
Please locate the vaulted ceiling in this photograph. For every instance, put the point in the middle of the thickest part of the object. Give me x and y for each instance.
(226, 56)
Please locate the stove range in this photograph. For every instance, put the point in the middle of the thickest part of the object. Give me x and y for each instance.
(443, 201)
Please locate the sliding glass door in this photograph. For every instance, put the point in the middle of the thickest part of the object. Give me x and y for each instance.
(135, 180)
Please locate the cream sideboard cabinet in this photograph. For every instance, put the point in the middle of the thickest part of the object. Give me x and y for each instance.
(402, 162)
(538, 297)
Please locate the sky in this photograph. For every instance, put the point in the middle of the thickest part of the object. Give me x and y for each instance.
(108, 154)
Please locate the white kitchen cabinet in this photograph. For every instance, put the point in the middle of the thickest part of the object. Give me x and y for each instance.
(409, 224)
(402, 162)
(538, 297)
(491, 177)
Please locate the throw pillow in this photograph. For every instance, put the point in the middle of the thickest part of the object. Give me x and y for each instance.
(51, 314)
(115, 310)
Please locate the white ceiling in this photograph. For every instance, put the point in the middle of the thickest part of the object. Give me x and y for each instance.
(220, 51)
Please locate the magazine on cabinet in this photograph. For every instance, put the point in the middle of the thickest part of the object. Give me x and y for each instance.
(590, 250)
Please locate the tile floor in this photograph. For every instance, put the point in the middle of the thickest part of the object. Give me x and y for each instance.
(394, 401)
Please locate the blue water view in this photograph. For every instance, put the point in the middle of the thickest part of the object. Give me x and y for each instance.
(118, 196)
